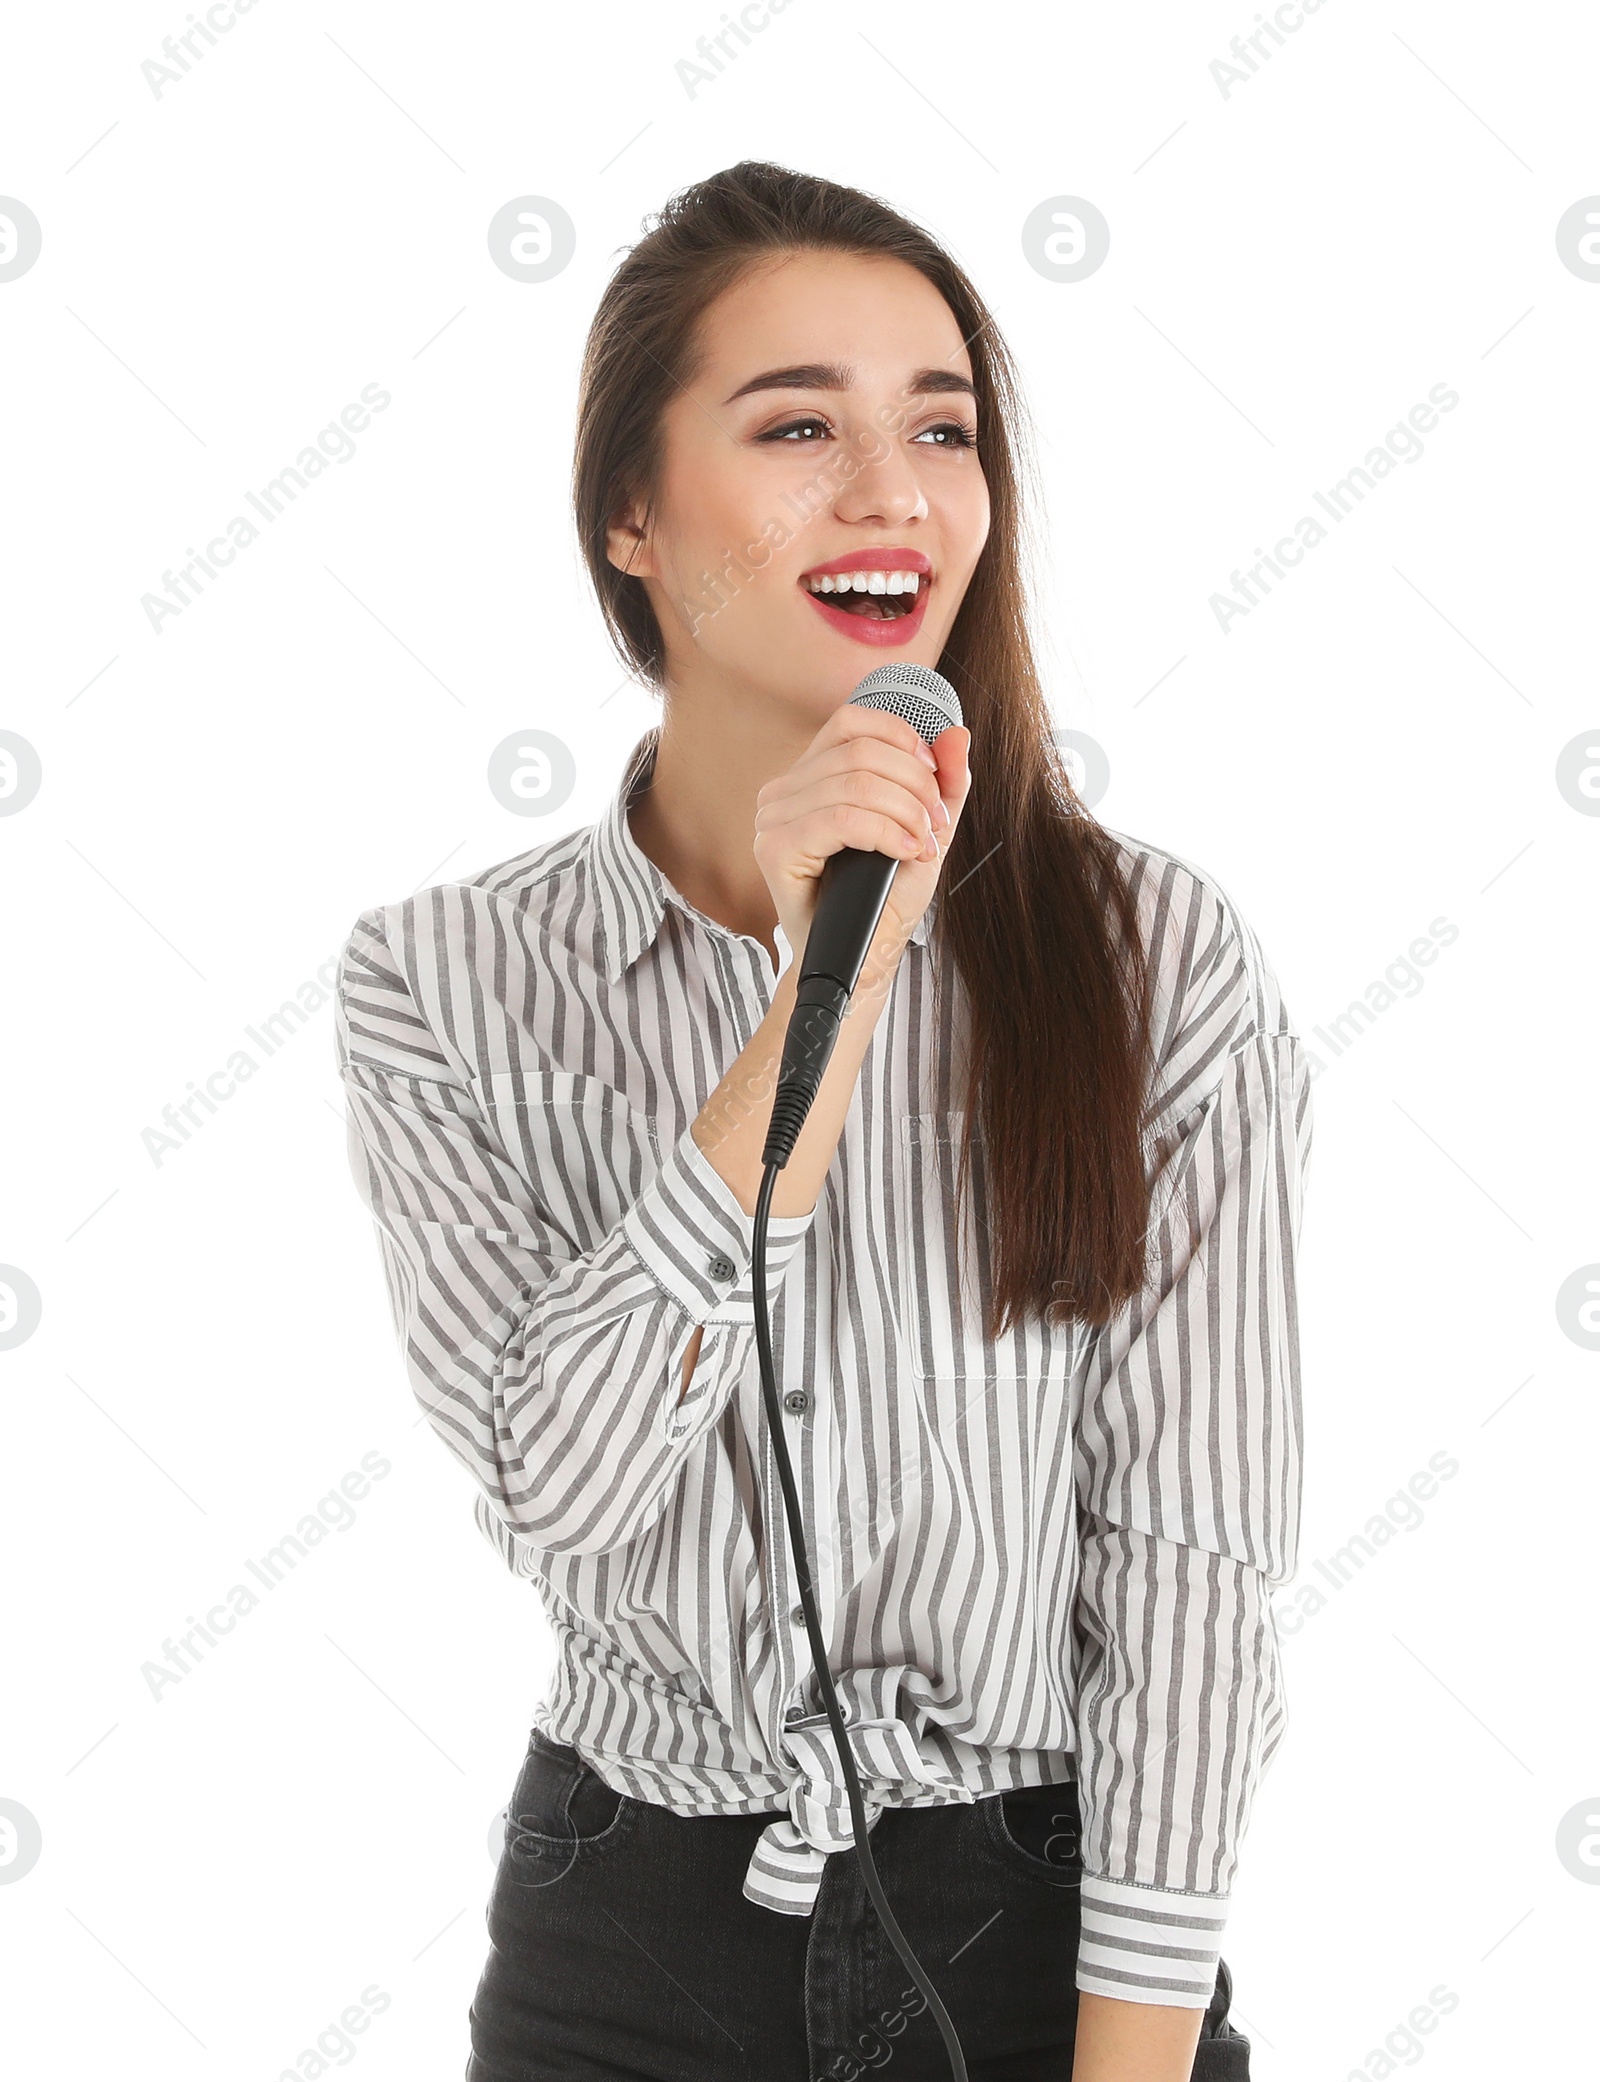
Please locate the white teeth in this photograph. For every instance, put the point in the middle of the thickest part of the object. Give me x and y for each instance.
(865, 582)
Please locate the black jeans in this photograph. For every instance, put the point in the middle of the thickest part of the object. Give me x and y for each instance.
(623, 1947)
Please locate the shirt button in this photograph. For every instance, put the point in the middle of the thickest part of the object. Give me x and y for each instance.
(796, 1401)
(722, 1268)
(795, 1713)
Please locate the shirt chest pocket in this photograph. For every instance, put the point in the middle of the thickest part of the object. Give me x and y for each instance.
(944, 1266)
(580, 1142)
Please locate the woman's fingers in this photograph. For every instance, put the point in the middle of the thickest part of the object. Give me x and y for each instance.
(834, 809)
(898, 777)
(867, 781)
(860, 755)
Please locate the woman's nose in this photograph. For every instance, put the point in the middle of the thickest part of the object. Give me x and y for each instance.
(885, 486)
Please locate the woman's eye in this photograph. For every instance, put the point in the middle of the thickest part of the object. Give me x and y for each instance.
(958, 436)
(782, 433)
(955, 435)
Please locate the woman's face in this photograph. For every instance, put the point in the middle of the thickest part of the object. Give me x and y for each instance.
(828, 430)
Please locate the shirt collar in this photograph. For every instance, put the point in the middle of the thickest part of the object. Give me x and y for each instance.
(631, 891)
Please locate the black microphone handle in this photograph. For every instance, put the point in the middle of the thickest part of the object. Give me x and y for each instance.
(854, 889)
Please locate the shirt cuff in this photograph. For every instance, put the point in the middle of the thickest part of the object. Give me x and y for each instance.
(695, 1240)
(1143, 1944)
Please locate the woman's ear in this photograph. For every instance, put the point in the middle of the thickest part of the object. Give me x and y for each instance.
(628, 544)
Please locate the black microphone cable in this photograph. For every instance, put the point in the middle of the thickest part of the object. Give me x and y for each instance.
(819, 1652)
(828, 976)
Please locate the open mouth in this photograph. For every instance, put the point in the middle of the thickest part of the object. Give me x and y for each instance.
(873, 596)
(879, 601)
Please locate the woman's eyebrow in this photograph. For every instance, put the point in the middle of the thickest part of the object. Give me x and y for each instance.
(832, 375)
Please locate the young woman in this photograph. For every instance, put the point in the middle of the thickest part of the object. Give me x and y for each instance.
(1030, 1266)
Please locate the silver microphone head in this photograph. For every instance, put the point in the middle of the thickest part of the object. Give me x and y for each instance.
(923, 697)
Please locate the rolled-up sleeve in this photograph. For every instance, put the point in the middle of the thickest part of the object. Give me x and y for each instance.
(554, 1375)
(1187, 1475)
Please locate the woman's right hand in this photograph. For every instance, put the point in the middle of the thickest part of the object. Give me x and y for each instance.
(866, 780)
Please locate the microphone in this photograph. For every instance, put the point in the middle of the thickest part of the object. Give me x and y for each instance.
(854, 889)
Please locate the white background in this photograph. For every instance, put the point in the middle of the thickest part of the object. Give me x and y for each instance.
(306, 1815)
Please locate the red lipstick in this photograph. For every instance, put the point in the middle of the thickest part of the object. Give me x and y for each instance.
(874, 627)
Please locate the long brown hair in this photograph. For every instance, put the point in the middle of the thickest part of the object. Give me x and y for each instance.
(1046, 940)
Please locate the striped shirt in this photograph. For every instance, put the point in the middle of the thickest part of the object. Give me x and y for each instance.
(1040, 1558)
